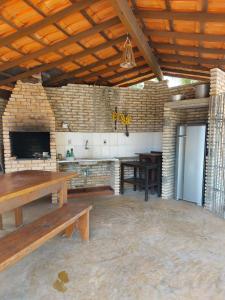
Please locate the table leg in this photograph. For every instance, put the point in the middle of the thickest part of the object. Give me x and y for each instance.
(135, 176)
(18, 216)
(63, 194)
(159, 181)
(153, 175)
(1, 223)
(122, 180)
(146, 183)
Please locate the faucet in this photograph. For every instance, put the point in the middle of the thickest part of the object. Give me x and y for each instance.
(86, 145)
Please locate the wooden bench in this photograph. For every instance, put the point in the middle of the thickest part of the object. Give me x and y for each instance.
(26, 239)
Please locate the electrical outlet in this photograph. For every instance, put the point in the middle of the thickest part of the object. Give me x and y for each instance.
(69, 142)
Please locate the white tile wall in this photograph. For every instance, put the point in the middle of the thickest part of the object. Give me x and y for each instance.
(107, 144)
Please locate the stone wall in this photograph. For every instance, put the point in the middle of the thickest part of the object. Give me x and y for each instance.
(28, 109)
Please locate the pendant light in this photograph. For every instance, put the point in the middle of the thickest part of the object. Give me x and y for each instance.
(128, 60)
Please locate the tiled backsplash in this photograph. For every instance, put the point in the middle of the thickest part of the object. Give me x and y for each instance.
(107, 144)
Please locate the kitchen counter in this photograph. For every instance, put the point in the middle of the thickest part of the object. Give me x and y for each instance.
(78, 160)
(92, 172)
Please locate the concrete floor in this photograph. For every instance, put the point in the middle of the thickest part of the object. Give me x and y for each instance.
(154, 250)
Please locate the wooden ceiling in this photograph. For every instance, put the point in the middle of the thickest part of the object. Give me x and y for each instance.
(71, 41)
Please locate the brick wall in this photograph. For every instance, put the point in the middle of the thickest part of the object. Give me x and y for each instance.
(217, 82)
(89, 108)
(2, 108)
(173, 118)
(28, 109)
(97, 174)
(215, 172)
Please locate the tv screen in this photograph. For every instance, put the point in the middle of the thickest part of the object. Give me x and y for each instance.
(29, 144)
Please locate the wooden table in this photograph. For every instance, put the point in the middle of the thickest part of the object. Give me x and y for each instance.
(20, 188)
(137, 180)
(154, 157)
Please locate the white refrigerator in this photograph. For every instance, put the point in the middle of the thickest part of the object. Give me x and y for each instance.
(190, 163)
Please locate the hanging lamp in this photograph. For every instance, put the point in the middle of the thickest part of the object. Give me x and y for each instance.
(128, 60)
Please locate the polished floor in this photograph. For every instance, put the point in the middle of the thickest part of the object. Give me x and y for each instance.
(138, 250)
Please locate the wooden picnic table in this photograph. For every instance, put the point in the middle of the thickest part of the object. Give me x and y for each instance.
(22, 187)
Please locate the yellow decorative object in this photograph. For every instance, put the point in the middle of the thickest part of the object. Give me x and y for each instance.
(125, 119)
(115, 116)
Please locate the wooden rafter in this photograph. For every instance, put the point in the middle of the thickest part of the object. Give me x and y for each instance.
(195, 74)
(180, 66)
(60, 28)
(46, 21)
(215, 62)
(138, 80)
(187, 36)
(188, 48)
(127, 72)
(67, 75)
(134, 77)
(129, 20)
(60, 44)
(183, 16)
(183, 75)
(54, 64)
(105, 70)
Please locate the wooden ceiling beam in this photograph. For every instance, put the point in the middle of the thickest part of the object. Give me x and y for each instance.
(191, 73)
(61, 61)
(182, 75)
(60, 44)
(6, 87)
(180, 66)
(127, 72)
(183, 16)
(135, 81)
(70, 74)
(46, 21)
(129, 20)
(103, 71)
(188, 48)
(140, 75)
(187, 36)
(200, 60)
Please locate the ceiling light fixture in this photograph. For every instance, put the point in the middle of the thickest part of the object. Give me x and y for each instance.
(128, 60)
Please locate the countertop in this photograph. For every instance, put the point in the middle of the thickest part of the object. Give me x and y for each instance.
(80, 160)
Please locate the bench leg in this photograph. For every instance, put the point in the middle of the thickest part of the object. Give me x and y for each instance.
(63, 195)
(70, 230)
(1, 223)
(83, 226)
(18, 216)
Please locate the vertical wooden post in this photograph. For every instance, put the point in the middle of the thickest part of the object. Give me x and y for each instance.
(63, 194)
(18, 216)
(1, 223)
(83, 226)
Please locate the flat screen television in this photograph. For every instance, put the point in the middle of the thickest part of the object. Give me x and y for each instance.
(29, 144)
